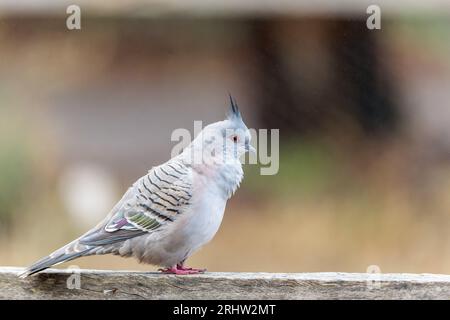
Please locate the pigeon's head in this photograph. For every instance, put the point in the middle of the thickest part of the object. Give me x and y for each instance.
(227, 139)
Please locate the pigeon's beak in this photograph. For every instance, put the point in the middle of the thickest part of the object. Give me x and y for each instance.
(249, 148)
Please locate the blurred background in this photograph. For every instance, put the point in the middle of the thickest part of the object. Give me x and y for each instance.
(364, 119)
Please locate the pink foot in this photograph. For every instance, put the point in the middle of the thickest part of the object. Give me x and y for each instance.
(180, 270)
(194, 270)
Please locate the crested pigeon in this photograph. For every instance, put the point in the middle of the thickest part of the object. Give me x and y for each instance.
(173, 210)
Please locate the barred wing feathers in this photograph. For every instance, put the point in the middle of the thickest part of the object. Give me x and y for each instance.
(158, 199)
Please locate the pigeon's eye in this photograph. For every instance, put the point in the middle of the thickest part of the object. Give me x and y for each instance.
(234, 138)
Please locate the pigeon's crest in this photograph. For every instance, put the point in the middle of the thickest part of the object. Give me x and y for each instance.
(234, 113)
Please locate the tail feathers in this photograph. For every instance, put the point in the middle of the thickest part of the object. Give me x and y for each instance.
(51, 260)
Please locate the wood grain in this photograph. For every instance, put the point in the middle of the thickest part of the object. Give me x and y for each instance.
(102, 284)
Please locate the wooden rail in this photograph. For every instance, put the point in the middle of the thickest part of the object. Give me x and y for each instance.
(99, 284)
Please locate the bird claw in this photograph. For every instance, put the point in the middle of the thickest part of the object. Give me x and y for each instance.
(193, 270)
(180, 270)
(181, 267)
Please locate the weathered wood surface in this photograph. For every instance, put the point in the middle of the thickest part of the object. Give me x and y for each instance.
(99, 284)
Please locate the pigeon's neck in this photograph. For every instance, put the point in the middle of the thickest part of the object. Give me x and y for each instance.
(225, 173)
(227, 176)
(230, 177)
